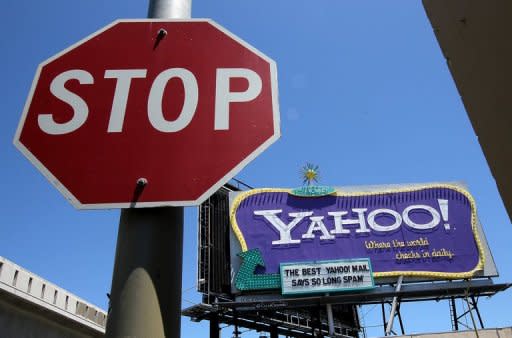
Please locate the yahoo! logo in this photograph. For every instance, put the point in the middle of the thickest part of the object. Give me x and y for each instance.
(381, 221)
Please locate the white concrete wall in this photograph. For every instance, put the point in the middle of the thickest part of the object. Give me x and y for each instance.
(29, 303)
(16, 322)
(486, 333)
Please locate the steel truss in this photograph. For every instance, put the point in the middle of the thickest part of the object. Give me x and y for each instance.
(275, 314)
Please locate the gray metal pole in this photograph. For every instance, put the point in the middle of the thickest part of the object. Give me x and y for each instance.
(145, 298)
(273, 332)
(170, 9)
(214, 326)
(393, 306)
(330, 318)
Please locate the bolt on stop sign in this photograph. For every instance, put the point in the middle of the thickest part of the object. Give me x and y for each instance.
(180, 106)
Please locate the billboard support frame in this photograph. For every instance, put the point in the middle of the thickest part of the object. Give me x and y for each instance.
(221, 303)
(245, 311)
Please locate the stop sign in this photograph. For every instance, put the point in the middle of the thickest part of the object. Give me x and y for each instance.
(178, 106)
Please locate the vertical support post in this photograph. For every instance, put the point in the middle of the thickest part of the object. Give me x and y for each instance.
(236, 332)
(330, 318)
(273, 332)
(455, 319)
(313, 322)
(145, 296)
(170, 9)
(393, 306)
(319, 322)
(146, 285)
(400, 319)
(383, 318)
(214, 326)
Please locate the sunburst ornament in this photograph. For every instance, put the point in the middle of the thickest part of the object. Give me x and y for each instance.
(309, 173)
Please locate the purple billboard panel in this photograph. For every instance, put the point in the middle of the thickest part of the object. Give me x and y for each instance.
(426, 231)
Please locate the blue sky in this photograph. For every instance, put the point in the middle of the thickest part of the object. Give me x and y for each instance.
(365, 93)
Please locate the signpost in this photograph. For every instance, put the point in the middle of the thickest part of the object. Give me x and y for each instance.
(152, 113)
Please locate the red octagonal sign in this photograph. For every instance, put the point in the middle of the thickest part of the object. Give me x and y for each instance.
(181, 105)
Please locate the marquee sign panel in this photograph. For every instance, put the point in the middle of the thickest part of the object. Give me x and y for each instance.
(326, 276)
(420, 231)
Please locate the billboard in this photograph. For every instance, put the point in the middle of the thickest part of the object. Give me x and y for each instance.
(427, 231)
